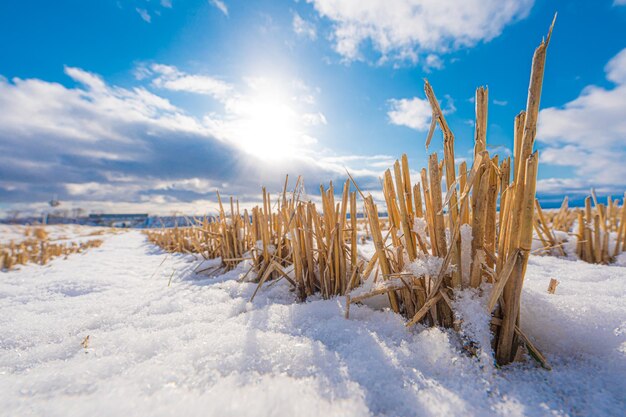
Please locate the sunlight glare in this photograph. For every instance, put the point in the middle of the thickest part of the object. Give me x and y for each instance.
(269, 125)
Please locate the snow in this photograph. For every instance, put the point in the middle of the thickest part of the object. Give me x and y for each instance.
(426, 265)
(470, 309)
(270, 248)
(568, 242)
(199, 347)
(62, 233)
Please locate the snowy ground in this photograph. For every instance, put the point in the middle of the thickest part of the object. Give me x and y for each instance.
(61, 233)
(199, 347)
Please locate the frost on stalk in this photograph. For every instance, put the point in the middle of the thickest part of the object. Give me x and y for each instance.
(270, 248)
(419, 227)
(427, 266)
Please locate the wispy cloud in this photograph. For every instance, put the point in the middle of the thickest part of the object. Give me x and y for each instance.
(500, 102)
(170, 78)
(433, 61)
(220, 5)
(410, 29)
(144, 14)
(449, 105)
(303, 28)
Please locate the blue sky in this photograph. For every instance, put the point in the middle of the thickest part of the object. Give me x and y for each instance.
(153, 105)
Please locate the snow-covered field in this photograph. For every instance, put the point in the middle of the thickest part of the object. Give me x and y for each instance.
(62, 233)
(198, 346)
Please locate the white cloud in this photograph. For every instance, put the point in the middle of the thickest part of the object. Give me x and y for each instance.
(589, 132)
(434, 61)
(314, 119)
(500, 102)
(38, 107)
(616, 68)
(83, 142)
(220, 5)
(166, 3)
(101, 146)
(96, 190)
(171, 78)
(144, 14)
(449, 105)
(619, 3)
(559, 186)
(198, 185)
(350, 158)
(403, 29)
(303, 28)
(415, 113)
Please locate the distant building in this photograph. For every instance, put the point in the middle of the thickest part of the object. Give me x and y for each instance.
(119, 220)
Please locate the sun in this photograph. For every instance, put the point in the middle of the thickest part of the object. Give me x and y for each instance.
(271, 128)
(268, 123)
